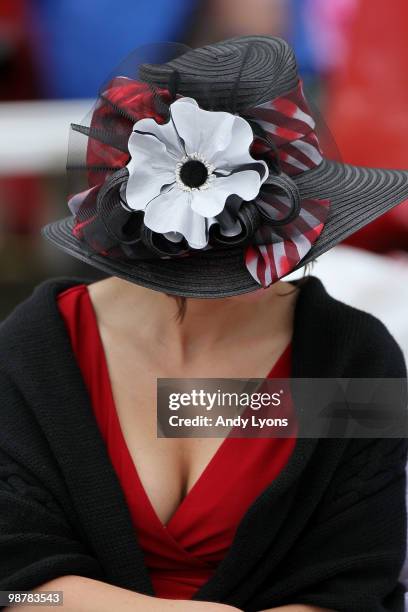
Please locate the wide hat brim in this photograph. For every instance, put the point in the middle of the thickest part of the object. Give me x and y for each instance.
(358, 196)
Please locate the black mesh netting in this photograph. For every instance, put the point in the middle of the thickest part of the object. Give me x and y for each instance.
(238, 79)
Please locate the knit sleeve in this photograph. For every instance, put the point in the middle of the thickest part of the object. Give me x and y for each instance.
(37, 540)
(351, 553)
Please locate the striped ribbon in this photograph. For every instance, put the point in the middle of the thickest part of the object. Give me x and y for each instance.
(277, 250)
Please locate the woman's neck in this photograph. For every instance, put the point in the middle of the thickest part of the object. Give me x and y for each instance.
(140, 314)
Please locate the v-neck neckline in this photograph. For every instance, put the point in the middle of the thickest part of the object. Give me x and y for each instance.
(60, 427)
(165, 527)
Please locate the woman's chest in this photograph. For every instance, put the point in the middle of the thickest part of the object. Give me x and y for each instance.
(168, 468)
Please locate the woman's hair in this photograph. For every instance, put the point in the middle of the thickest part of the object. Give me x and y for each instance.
(182, 301)
(181, 307)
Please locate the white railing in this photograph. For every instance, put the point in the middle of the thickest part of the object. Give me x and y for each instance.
(34, 135)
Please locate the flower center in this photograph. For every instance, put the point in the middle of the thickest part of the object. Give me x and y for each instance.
(193, 173)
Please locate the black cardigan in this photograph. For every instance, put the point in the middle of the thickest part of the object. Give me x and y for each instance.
(329, 531)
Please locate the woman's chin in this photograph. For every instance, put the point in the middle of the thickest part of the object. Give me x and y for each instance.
(255, 296)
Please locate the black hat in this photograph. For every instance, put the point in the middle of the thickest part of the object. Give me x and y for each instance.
(205, 176)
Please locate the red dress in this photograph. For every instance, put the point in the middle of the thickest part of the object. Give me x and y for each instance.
(182, 555)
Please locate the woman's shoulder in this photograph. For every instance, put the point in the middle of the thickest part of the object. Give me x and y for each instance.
(345, 334)
(34, 342)
(34, 317)
(35, 362)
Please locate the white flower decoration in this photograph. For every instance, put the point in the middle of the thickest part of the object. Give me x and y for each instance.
(181, 173)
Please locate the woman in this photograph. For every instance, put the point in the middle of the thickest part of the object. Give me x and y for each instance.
(205, 180)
